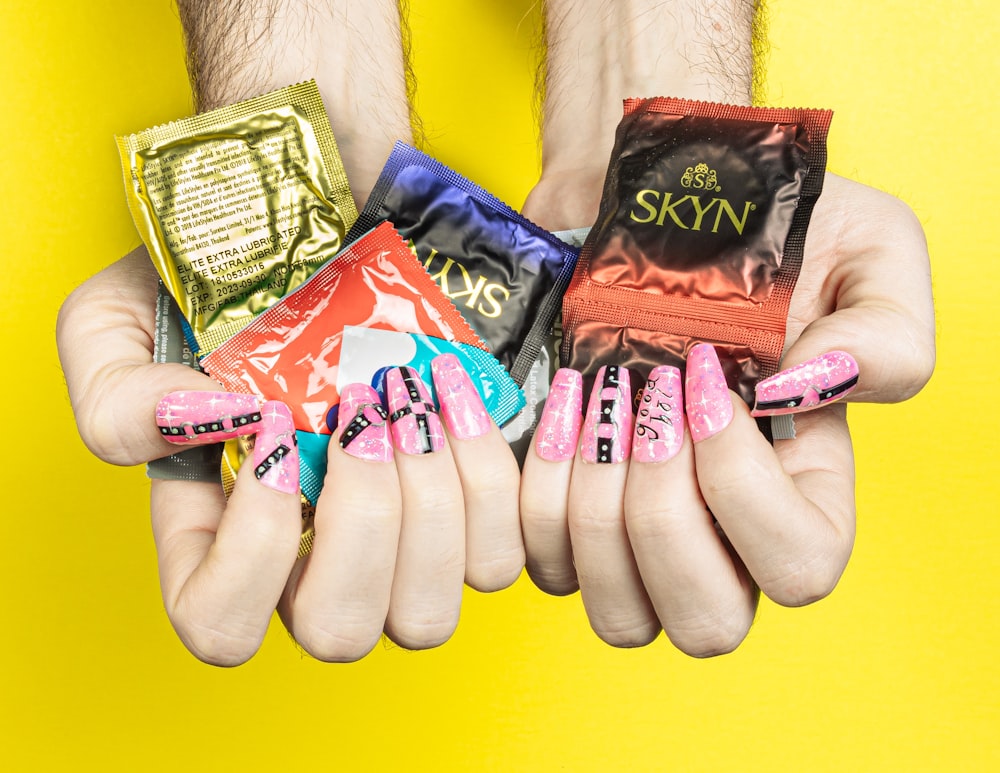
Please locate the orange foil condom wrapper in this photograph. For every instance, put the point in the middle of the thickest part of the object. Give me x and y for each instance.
(699, 238)
(291, 352)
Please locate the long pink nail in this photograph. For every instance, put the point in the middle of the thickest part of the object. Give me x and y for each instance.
(607, 430)
(659, 422)
(706, 394)
(558, 430)
(275, 450)
(821, 380)
(190, 418)
(461, 408)
(416, 427)
(364, 424)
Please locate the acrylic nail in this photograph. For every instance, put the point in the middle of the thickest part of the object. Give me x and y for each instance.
(659, 419)
(706, 394)
(607, 428)
(193, 417)
(558, 430)
(275, 450)
(416, 426)
(363, 424)
(819, 381)
(462, 409)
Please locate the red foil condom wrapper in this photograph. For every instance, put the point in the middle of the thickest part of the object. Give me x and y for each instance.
(699, 238)
(291, 352)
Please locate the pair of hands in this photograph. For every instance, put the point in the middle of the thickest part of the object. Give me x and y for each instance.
(395, 541)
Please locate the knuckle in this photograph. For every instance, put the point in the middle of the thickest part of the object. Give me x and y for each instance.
(217, 647)
(627, 633)
(710, 636)
(803, 583)
(554, 579)
(496, 572)
(424, 632)
(337, 643)
(589, 522)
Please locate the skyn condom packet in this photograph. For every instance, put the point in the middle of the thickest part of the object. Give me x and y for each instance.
(699, 238)
(505, 274)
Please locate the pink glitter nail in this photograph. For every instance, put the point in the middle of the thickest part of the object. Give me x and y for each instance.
(275, 450)
(607, 429)
(195, 418)
(819, 381)
(363, 425)
(659, 421)
(461, 408)
(416, 427)
(558, 430)
(709, 409)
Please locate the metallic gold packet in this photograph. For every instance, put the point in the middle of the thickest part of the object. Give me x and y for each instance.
(238, 205)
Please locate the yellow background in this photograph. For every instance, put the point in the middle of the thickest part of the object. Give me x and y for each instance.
(895, 671)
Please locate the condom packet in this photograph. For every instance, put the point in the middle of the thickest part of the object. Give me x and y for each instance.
(238, 206)
(292, 351)
(506, 275)
(365, 354)
(699, 238)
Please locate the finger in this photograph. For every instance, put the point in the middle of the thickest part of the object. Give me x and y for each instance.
(337, 601)
(545, 481)
(702, 594)
(874, 298)
(223, 565)
(788, 510)
(430, 565)
(490, 479)
(613, 594)
(105, 339)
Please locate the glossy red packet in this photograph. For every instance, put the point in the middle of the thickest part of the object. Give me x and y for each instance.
(291, 352)
(699, 238)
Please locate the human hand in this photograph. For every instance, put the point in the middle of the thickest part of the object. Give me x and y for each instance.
(639, 539)
(226, 565)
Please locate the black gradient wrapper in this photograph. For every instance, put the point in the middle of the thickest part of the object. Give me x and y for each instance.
(505, 274)
(699, 238)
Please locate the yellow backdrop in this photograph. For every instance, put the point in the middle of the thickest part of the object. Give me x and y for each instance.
(895, 671)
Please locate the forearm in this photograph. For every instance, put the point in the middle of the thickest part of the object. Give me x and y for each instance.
(242, 48)
(601, 51)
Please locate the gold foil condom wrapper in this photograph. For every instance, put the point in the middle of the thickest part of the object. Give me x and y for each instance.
(239, 205)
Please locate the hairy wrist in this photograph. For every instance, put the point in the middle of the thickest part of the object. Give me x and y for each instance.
(600, 52)
(355, 51)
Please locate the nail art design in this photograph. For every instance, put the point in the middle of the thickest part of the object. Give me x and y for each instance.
(416, 426)
(558, 430)
(706, 393)
(275, 450)
(207, 417)
(461, 408)
(365, 424)
(659, 422)
(607, 430)
(816, 382)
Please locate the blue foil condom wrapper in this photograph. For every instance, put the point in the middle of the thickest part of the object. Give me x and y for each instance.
(506, 275)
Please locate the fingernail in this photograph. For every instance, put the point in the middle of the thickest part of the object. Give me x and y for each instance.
(416, 427)
(659, 422)
(275, 452)
(821, 380)
(607, 430)
(206, 417)
(706, 394)
(364, 424)
(461, 408)
(558, 430)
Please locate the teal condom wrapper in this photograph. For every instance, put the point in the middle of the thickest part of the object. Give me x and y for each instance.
(505, 274)
(366, 352)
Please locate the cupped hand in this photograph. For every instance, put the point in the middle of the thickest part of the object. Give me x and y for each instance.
(395, 535)
(680, 531)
